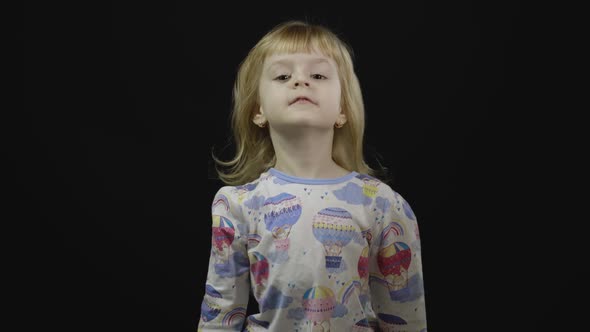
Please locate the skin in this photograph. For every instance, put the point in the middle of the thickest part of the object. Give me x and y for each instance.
(302, 133)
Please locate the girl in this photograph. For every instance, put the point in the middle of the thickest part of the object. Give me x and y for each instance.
(303, 221)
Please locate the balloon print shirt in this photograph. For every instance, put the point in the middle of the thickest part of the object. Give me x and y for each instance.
(339, 254)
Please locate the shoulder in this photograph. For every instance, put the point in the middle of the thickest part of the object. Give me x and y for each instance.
(224, 193)
(236, 194)
(375, 186)
(386, 197)
(398, 204)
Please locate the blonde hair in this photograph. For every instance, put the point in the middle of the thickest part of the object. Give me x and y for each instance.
(254, 150)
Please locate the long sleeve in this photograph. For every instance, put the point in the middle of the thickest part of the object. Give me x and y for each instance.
(227, 286)
(395, 267)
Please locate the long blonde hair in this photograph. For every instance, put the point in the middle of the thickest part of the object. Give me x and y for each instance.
(254, 150)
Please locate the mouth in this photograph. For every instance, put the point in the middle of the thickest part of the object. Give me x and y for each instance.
(301, 100)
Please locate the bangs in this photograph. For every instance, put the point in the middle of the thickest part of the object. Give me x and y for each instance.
(302, 39)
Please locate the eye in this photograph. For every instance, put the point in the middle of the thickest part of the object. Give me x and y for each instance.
(282, 77)
(319, 76)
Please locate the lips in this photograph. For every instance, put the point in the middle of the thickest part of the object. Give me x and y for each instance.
(301, 98)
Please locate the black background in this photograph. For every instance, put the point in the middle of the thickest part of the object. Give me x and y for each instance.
(124, 103)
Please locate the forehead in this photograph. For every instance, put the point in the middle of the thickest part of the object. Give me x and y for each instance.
(297, 58)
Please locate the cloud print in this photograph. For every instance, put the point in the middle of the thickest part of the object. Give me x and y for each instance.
(255, 202)
(237, 265)
(352, 193)
(382, 204)
(341, 268)
(340, 310)
(274, 299)
(408, 210)
(248, 187)
(243, 229)
(296, 313)
(412, 292)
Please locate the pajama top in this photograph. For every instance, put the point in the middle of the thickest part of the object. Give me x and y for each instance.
(340, 254)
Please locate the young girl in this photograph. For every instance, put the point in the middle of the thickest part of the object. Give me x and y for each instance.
(303, 221)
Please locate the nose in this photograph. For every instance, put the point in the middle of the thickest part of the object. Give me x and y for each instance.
(299, 83)
(300, 80)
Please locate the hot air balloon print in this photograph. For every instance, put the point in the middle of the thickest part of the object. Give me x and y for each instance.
(210, 311)
(282, 212)
(223, 237)
(333, 228)
(390, 323)
(394, 261)
(362, 326)
(370, 186)
(318, 304)
(259, 268)
(363, 265)
(363, 268)
(244, 189)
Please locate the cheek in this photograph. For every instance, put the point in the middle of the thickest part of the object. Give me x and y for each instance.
(333, 98)
(335, 92)
(269, 103)
(269, 96)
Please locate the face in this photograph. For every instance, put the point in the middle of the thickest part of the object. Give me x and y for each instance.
(299, 89)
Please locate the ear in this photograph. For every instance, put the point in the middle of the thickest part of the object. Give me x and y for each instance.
(259, 117)
(341, 118)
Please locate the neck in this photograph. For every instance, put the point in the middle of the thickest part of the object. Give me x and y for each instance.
(307, 154)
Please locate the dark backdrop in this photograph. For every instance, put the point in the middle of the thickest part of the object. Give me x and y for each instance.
(123, 104)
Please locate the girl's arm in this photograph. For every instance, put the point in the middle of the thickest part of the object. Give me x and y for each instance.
(227, 287)
(396, 281)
